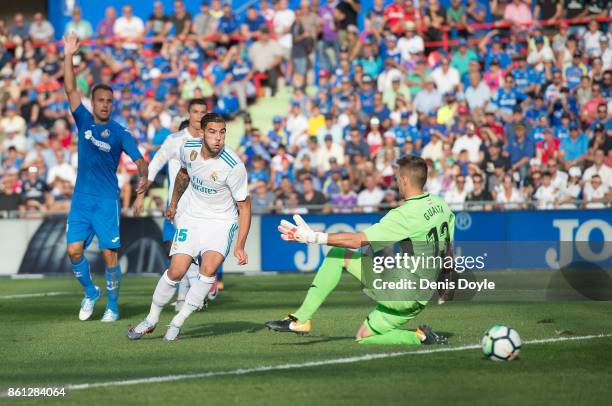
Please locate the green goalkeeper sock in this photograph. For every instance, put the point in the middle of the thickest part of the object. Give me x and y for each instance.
(404, 337)
(326, 280)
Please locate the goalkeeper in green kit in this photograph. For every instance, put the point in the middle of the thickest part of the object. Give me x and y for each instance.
(421, 218)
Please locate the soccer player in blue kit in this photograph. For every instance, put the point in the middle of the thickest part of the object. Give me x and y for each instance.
(95, 203)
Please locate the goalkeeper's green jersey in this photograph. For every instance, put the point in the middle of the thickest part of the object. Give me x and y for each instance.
(422, 218)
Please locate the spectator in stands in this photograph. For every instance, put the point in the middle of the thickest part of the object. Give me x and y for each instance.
(478, 195)
(204, 25)
(599, 168)
(596, 194)
(508, 195)
(33, 192)
(519, 15)
(263, 199)
(371, 196)
(41, 29)
(129, 28)
(20, 30)
(266, 56)
(252, 23)
(546, 194)
(328, 46)
(428, 99)
(346, 14)
(310, 196)
(81, 27)
(574, 148)
(105, 27)
(572, 191)
(158, 25)
(410, 44)
(181, 20)
(520, 149)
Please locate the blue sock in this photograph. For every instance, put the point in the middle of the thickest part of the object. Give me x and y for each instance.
(81, 272)
(113, 283)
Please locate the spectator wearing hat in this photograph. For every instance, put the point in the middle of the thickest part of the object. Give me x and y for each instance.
(276, 135)
(572, 191)
(429, 99)
(410, 44)
(574, 149)
(312, 150)
(462, 57)
(448, 111)
(331, 128)
(81, 27)
(374, 137)
(404, 131)
(494, 52)
(433, 150)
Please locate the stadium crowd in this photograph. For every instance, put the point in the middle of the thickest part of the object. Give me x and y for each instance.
(508, 101)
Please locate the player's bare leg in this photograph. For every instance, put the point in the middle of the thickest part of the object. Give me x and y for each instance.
(80, 268)
(164, 291)
(211, 260)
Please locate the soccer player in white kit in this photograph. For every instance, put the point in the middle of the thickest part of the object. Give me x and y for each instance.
(215, 206)
(169, 153)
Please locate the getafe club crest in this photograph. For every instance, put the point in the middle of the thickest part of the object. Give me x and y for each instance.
(105, 133)
(214, 176)
(193, 155)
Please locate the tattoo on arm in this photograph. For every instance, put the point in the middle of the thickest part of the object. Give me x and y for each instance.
(180, 185)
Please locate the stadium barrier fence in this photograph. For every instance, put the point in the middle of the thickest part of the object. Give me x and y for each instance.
(37, 246)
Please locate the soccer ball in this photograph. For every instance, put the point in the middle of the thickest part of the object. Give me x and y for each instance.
(501, 343)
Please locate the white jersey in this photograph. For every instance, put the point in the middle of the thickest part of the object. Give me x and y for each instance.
(215, 184)
(170, 153)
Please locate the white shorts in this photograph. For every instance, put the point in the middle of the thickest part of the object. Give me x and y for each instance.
(193, 237)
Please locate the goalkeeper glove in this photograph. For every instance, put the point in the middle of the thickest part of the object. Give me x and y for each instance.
(300, 232)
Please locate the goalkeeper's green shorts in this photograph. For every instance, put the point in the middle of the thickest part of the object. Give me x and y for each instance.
(384, 319)
(389, 315)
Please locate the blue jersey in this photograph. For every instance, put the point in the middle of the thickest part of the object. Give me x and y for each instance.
(524, 78)
(403, 134)
(100, 148)
(573, 75)
(508, 99)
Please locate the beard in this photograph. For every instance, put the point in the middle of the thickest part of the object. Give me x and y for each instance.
(209, 150)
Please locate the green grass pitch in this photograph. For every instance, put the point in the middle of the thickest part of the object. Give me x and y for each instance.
(43, 344)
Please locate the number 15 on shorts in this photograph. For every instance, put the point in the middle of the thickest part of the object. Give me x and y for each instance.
(180, 235)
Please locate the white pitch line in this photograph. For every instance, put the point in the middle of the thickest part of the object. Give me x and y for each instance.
(28, 295)
(266, 368)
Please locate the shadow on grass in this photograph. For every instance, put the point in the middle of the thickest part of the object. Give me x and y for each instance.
(217, 329)
(310, 340)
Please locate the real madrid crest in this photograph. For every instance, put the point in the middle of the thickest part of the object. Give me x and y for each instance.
(105, 133)
(193, 155)
(214, 176)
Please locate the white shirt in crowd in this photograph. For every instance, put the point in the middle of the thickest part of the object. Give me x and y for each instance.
(63, 171)
(604, 172)
(284, 19)
(511, 202)
(368, 200)
(131, 28)
(590, 193)
(410, 46)
(546, 196)
(446, 81)
(559, 180)
(471, 144)
(455, 198)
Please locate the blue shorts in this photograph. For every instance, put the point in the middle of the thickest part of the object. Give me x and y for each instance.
(168, 231)
(93, 215)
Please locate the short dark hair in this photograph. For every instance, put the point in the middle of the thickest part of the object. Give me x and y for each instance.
(184, 124)
(199, 101)
(100, 86)
(211, 118)
(415, 168)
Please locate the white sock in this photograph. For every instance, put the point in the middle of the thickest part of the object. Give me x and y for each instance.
(195, 297)
(161, 296)
(185, 283)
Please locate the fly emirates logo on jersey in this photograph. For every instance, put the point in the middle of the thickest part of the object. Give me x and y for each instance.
(199, 185)
(101, 145)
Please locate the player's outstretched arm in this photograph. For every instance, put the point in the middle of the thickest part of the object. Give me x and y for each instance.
(301, 232)
(244, 225)
(180, 185)
(143, 185)
(72, 45)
